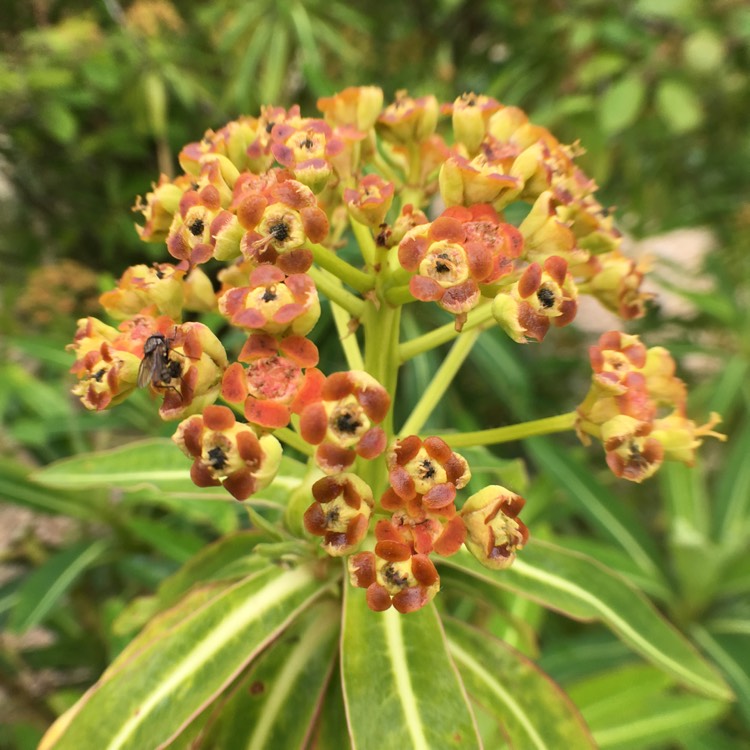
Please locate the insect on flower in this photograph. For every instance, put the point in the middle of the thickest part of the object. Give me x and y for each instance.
(156, 368)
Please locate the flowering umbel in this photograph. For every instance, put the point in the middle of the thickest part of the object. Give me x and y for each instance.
(295, 243)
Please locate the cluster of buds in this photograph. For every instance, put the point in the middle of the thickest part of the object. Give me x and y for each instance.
(253, 226)
(636, 406)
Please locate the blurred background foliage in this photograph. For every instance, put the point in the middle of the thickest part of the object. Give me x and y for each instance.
(96, 99)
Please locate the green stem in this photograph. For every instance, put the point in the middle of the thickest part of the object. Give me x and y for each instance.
(399, 295)
(293, 440)
(560, 423)
(348, 338)
(366, 243)
(479, 317)
(440, 383)
(332, 288)
(350, 275)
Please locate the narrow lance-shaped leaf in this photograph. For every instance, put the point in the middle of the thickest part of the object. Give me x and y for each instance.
(401, 688)
(275, 704)
(48, 583)
(594, 501)
(156, 464)
(585, 590)
(153, 695)
(533, 710)
(635, 706)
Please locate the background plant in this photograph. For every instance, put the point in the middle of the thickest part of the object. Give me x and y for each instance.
(66, 198)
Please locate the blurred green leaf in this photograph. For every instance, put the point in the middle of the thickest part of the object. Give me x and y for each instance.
(46, 585)
(622, 103)
(678, 106)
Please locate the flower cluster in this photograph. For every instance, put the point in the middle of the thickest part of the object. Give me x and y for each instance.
(254, 226)
(637, 407)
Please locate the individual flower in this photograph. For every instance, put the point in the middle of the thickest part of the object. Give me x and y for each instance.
(402, 579)
(198, 292)
(340, 513)
(636, 459)
(452, 255)
(543, 295)
(279, 217)
(106, 366)
(615, 281)
(191, 236)
(408, 120)
(231, 141)
(423, 474)
(615, 355)
(471, 113)
(680, 437)
(486, 178)
(545, 234)
(160, 206)
(190, 376)
(158, 287)
(277, 372)
(342, 419)
(305, 146)
(228, 452)
(408, 219)
(369, 202)
(273, 303)
(494, 533)
(356, 106)
(440, 531)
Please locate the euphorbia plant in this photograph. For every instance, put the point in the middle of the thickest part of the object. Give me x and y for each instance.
(264, 639)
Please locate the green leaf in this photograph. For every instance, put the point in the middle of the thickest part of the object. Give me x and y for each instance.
(15, 487)
(534, 711)
(595, 502)
(291, 675)
(734, 662)
(584, 590)
(400, 686)
(634, 706)
(666, 719)
(58, 121)
(177, 544)
(44, 588)
(733, 507)
(155, 464)
(149, 697)
(622, 103)
(679, 107)
(275, 63)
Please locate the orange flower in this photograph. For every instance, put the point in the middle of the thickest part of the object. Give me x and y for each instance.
(493, 531)
(340, 513)
(273, 303)
(341, 418)
(274, 379)
(228, 452)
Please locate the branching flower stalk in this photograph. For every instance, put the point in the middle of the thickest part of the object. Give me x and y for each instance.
(254, 226)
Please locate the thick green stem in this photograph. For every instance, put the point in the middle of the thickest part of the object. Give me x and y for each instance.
(479, 317)
(560, 423)
(440, 383)
(350, 275)
(332, 288)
